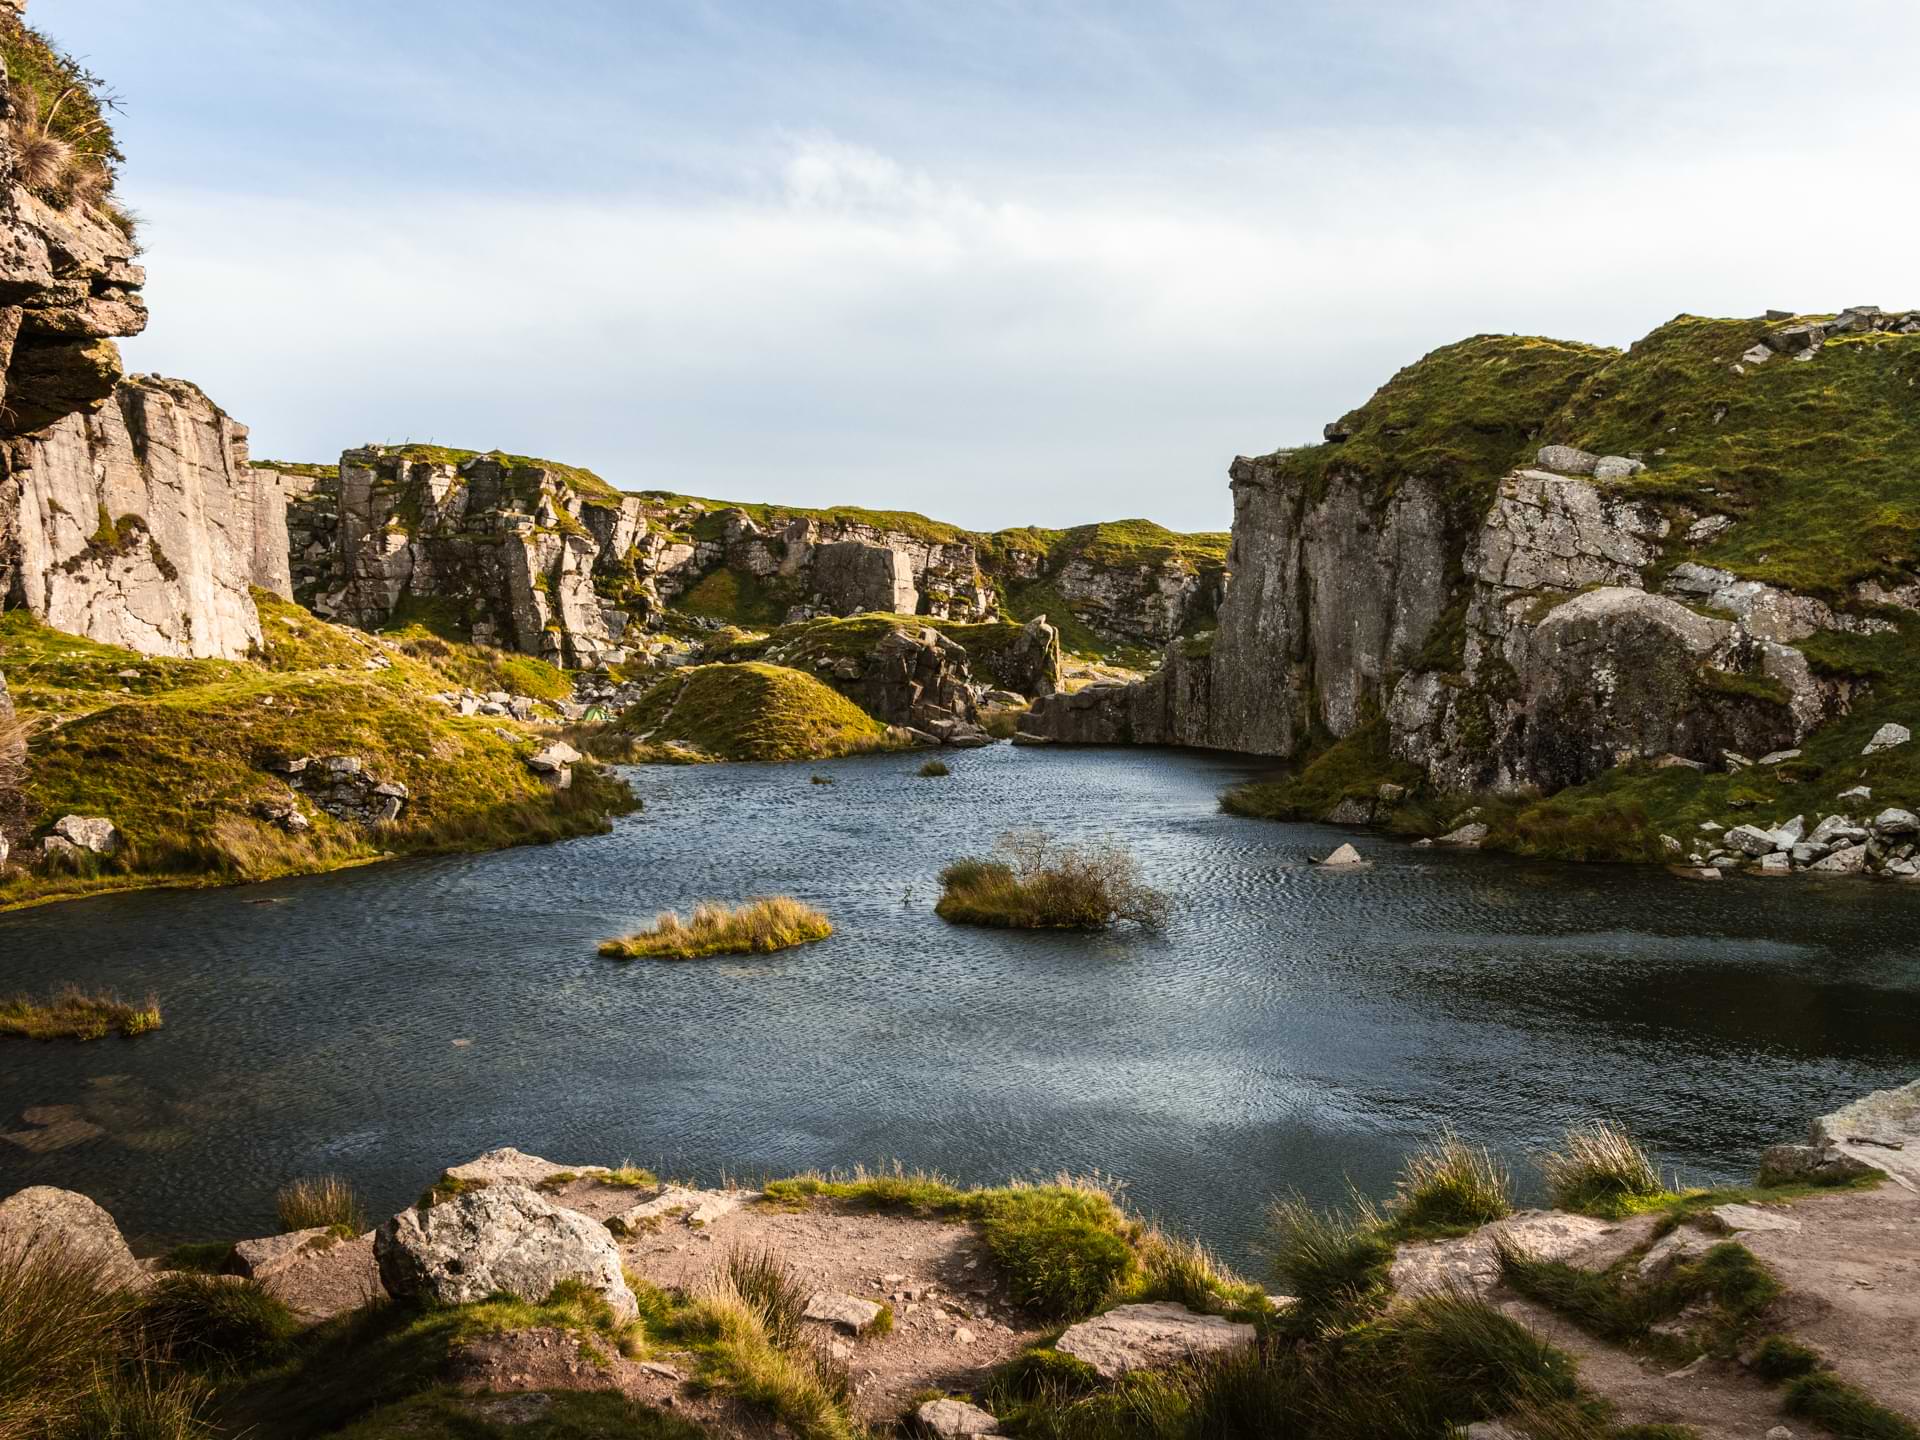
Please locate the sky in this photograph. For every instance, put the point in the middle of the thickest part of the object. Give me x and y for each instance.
(1004, 263)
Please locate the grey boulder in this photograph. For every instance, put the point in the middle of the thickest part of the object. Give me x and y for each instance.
(503, 1237)
(45, 1220)
(1146, 1337)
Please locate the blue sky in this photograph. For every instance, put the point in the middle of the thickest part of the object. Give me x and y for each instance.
(1003, 262)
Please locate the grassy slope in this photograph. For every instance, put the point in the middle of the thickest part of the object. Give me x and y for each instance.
(1818, 461)
(176, 761)
(579, 478)
(749, 711)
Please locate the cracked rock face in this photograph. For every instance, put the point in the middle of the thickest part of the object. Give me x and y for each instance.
(143, 525)
(1563, 663)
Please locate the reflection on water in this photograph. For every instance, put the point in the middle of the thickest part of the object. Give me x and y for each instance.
(1292, 1027)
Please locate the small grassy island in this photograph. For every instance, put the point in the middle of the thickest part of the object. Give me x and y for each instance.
(759, 927)
(1032, 882)
(74, 1015)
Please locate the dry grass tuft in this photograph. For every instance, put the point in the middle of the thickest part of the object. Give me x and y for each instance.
(320, 1202)
(75, 1015)
(759, 927)
(1449, 1184)
(1033, 882)
(750, 1347)
(1599, 1169)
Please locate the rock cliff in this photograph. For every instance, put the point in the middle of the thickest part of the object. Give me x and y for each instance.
(141, 524)
(1524, 615)
(128, 513)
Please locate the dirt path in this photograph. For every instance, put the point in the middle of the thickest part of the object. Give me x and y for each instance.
(953, 1319)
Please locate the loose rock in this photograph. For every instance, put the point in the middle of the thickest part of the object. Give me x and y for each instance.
(1144, 1337)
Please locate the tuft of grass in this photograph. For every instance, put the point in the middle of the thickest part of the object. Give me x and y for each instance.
(1850, 1413)
(934, 769)
(1035, 883)
(320, 1201)
(59, 1316)
(1334, 1261)
(759, 927)
(207, 1257)
(1776, 1358)
(796, 1383)
(767, 1283)
(214, 1323)
(1449, 1185)
(1598, 1169)
(1065, 1249)
(75, 1015)
(1186, 1272)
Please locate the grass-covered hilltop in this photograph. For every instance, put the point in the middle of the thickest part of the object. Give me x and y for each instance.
(520, 1297)
(1582, 602)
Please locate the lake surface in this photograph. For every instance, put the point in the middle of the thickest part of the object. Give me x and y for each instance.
(1292, 1028)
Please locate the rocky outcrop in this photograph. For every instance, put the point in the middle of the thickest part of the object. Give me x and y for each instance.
(1148, 1337)
(1525, 649)
(143, 525)
(498, 1238)
(516, 550)
(41, 1220)
(68, 288)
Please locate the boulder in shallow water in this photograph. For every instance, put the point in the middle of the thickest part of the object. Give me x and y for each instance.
(1345, 858)
(502, 1237)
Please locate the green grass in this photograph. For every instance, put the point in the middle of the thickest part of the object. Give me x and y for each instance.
(214, 1323)
(1818, 462)
(738, 597)
(72, 1015)
(1777, 1358)
(759, 927)
(1449, 1185)
(934, 770)
(320, 1202)
(1353, 768)
(1334, 1262)
(1463, 416)
(179, 765)
(1612, 1304)
(577, 478)
(746, 712)
(1849, 1412)
(1032, 882)
(1065, 1249)
(1599, 1169)
(67, 102)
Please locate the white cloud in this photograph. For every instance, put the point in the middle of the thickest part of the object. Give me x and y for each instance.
(827, 320)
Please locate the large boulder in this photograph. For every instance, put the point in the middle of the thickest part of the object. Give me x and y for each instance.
(43, 1219)
(1145, 1337)
(853, 577)
(500, 1237)
(1881, 1130)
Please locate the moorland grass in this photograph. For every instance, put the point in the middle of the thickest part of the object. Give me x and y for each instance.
(749, 711)
(758, 927)
(1847, 1411)
(1448, 1185)
(320, 1202)
(934, 770)
(75, 1015)
(1032, 882)
(1598, 1169)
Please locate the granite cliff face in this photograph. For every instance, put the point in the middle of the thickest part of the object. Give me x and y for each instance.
(141, 524)
(1520, 615)
(128, 513)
